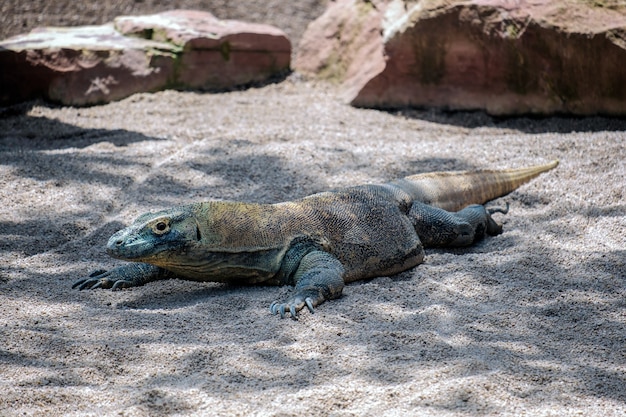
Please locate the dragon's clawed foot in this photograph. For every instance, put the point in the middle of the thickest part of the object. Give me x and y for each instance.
(102, 279)
(293, 306)
(306, 297)
(124, 276)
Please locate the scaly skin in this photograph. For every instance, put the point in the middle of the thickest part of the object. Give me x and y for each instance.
(318, 243)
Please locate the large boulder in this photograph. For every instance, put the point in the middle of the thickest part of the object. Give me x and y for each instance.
(82, 65)
(215, 54)
(506, 57)
(177, 49)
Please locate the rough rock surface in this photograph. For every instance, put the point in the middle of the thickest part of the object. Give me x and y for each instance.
(216, 53)
(17, 16)
(501, 56)
(84, 65)
(96, 64)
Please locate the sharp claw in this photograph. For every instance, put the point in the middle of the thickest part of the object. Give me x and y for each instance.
(118, 285)
(290, 308)
(91, 281)
(309, 304)
(76, 284)
(504, 210)
(98, 284)
(86, 284)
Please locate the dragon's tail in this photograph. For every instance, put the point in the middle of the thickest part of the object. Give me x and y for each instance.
(453, 190)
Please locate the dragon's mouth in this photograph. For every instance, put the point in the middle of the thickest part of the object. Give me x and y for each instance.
(129, 246)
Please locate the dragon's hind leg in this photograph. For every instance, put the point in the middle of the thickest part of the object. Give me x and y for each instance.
(438, 227)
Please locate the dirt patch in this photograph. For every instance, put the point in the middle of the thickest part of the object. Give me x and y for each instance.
(531, 322)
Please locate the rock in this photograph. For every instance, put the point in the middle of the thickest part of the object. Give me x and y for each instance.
(501, 56)
(82, 65)
(216, 54)
(344, 45)
(177, 49)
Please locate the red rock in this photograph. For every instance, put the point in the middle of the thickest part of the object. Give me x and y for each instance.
(502, 56)
(177, 49)
(80, 66)
(344, 44)
(215, 53)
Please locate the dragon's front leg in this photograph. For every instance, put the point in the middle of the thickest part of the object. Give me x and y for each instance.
(319, 277)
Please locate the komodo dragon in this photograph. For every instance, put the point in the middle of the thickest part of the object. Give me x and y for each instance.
(317, 243)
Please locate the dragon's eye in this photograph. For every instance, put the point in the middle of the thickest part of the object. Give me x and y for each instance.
(161, 227)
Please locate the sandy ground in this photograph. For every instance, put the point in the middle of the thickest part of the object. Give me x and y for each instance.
(531, 322)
